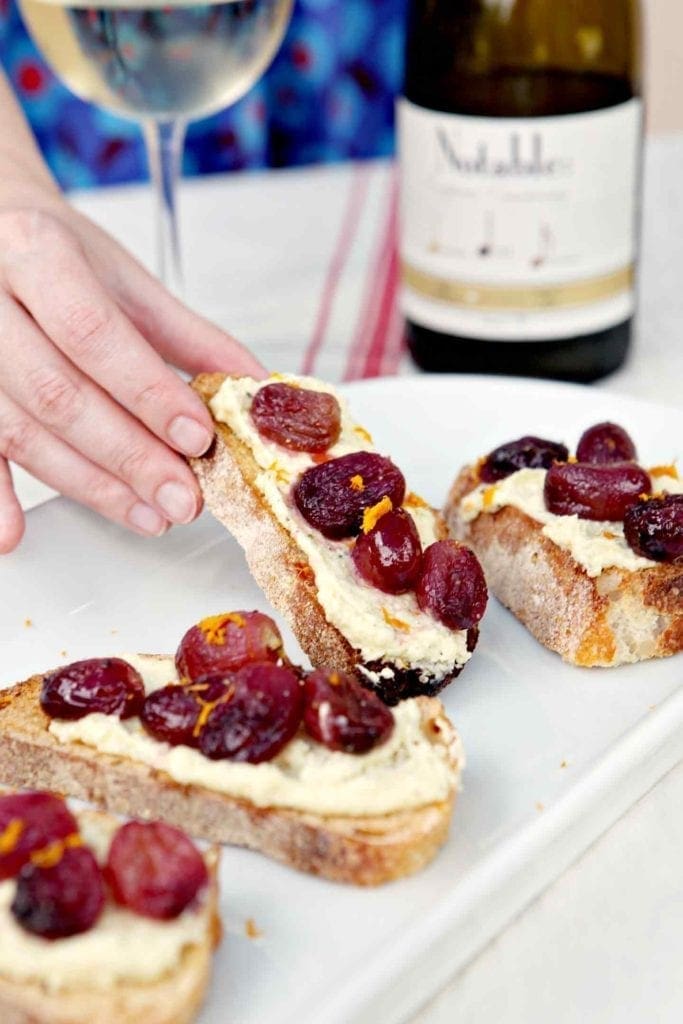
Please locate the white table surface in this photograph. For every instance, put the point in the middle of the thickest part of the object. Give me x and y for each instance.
(605, 941)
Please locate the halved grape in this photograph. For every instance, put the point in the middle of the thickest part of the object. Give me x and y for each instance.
(605, 443)
(29, 822)
(262, 714)
(154, 869)
(108, 685)
(63, 899)
(332, 496)
(225, 642)
(654, 528)
(389, 555)
(595, 492)
(297, 418)
(525, 453)
(171, 713)
(451, 585)
(343, 715)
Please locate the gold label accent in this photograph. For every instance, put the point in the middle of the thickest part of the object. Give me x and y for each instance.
(518, 297)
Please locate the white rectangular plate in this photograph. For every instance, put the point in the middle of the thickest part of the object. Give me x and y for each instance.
(555, 754)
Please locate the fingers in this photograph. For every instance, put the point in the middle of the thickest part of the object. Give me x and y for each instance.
(181, 336)
(42, 382)
(52, 279)
(28, 443)
(11, 516)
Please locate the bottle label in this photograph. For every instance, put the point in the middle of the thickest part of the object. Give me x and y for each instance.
(519, 229)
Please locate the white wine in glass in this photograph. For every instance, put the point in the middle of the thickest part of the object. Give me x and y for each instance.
(162, 64)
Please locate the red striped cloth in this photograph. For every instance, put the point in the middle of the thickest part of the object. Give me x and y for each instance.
(376, 344)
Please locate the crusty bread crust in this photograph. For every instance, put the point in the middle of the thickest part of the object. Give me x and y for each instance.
(226, 475)
(615, 618)
(360, 850)
(175, 998)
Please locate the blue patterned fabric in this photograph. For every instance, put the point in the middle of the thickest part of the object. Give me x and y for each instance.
(328, 96)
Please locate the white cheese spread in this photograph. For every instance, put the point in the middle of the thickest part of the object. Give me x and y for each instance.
(406, 772)
(121, 946)
(596, 546)
(359, 611)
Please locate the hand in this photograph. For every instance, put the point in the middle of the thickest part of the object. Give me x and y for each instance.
(87, 401)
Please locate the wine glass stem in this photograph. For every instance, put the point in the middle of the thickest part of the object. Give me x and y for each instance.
(164, 141)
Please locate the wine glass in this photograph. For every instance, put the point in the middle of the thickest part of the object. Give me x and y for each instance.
(162, 64)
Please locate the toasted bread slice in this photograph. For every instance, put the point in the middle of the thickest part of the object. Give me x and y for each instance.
(175, 997)
(227, 475)
(617, 617)
(364, 849)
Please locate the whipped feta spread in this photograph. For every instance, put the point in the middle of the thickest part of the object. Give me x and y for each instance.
(596, 546)
(120, 947)
(408, 771)
(359, 611)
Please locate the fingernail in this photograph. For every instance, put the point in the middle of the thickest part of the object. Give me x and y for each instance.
(176, 501)
(189, 435)
(144, 518)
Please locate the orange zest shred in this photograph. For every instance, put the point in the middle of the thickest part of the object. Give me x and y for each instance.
(670, 470)
(413, 500)
(207, 707)
(363, 433)
(572, 459)
(608, 535)
(251, 929)
(489, 496)
(53, 852)
(281, 475)
(334, 679)
(373, 514)
(356, 483)
(214, 626)
(396, 623)
(10, 836)
(644, 496)
(304, 571)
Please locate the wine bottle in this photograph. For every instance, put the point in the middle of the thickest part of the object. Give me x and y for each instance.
(520, 136)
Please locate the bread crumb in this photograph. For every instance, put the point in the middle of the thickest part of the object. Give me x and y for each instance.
(652, 707)
(540, 806)
(251, 929)
(28, 623)
(113, 632)
(63, 654)
(563, 764)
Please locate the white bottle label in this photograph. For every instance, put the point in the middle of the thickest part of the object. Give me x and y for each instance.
(519, 229)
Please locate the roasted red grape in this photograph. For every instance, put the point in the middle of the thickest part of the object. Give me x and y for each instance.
(343, 715)
(388, 556)
(29, 822)
(297, 418)
(526, 453)
(604, 443)
(332, 496)
(451, 585)
(262, 714)
(171, 713)
(654, 528)
(108, 685)
(154, 869)
(65, 898)
(595, 492)
(223, 643)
